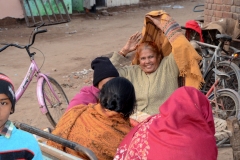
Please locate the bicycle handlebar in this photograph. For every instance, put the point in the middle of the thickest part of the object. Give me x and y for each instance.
(194, 9)
(12, 44)
(35, 33)
(27, 46)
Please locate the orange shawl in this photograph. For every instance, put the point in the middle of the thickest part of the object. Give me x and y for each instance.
(92, 127)
(170, 39)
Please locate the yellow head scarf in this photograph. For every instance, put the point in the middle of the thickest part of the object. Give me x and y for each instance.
(170, 39)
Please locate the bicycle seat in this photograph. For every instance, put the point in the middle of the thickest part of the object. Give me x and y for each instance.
(224, 37)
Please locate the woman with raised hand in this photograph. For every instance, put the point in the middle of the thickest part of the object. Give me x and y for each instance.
(162, 56)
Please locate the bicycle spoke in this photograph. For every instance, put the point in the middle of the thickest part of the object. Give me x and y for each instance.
(232, 83)
(56, 102)
(52, 102)
(226, 104)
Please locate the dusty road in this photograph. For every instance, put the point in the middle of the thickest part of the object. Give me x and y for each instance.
(70, 47)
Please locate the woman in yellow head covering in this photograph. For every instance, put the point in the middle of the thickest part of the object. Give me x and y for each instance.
(162, 56)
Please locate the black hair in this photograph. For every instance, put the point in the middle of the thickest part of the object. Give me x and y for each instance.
(118, 95)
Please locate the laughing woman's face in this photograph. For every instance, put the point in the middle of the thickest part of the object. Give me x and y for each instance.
(148, 61)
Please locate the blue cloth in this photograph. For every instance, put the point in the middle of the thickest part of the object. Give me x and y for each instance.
(20, 145)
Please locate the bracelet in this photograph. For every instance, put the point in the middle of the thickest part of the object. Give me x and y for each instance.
(122, 53)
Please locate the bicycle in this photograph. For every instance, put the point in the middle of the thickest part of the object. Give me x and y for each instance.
(224, 102)
(221, 75)
(222, 78)
(220, 56)
(51, 97)
(219, 59)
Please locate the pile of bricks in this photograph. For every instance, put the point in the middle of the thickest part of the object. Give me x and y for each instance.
(218, 9)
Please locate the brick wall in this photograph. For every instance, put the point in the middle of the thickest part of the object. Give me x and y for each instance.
(217, 9)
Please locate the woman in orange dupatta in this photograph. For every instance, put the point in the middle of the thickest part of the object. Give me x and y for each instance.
(99, 127)
(183, 130)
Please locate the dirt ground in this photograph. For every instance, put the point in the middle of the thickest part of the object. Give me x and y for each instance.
(69, 48)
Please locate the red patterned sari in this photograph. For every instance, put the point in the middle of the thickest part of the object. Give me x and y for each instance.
(183, 131)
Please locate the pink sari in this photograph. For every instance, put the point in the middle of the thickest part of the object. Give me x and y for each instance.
(183, 131)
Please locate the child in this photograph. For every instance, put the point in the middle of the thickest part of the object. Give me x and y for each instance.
(14, 143)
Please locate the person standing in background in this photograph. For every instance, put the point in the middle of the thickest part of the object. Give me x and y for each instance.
(89, 6)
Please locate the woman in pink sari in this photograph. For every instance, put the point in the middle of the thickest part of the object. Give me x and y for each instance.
(184, 131)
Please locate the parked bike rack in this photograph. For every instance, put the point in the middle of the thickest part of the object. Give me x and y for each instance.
(49, 12)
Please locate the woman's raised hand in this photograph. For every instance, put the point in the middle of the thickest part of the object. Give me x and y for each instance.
(131, 44)
(155, 20)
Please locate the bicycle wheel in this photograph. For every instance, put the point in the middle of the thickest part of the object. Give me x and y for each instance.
(226, 67)
(225, 103)
(55, 108)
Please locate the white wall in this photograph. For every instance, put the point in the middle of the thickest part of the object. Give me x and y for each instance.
(113, 3)
(11, 8)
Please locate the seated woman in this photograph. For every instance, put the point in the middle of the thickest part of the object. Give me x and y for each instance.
(183, 130)
(103, 72)
(99, 127)
(163, 55)
(14, 143)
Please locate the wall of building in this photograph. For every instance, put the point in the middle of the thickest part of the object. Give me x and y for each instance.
(113, 3)
(217, 9)
(11, 8)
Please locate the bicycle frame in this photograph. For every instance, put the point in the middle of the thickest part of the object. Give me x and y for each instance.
(212, 88)
(214, 57)
(34, 71)
(49, 92)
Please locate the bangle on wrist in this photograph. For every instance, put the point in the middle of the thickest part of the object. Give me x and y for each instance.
(122, 53)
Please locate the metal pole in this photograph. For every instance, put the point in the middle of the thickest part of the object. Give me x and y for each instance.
(38, 10)
(56, 139)
(46, 11)
(65, 9)
(25, 14)
(52, 11)
(59, 9)
(30, 12)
